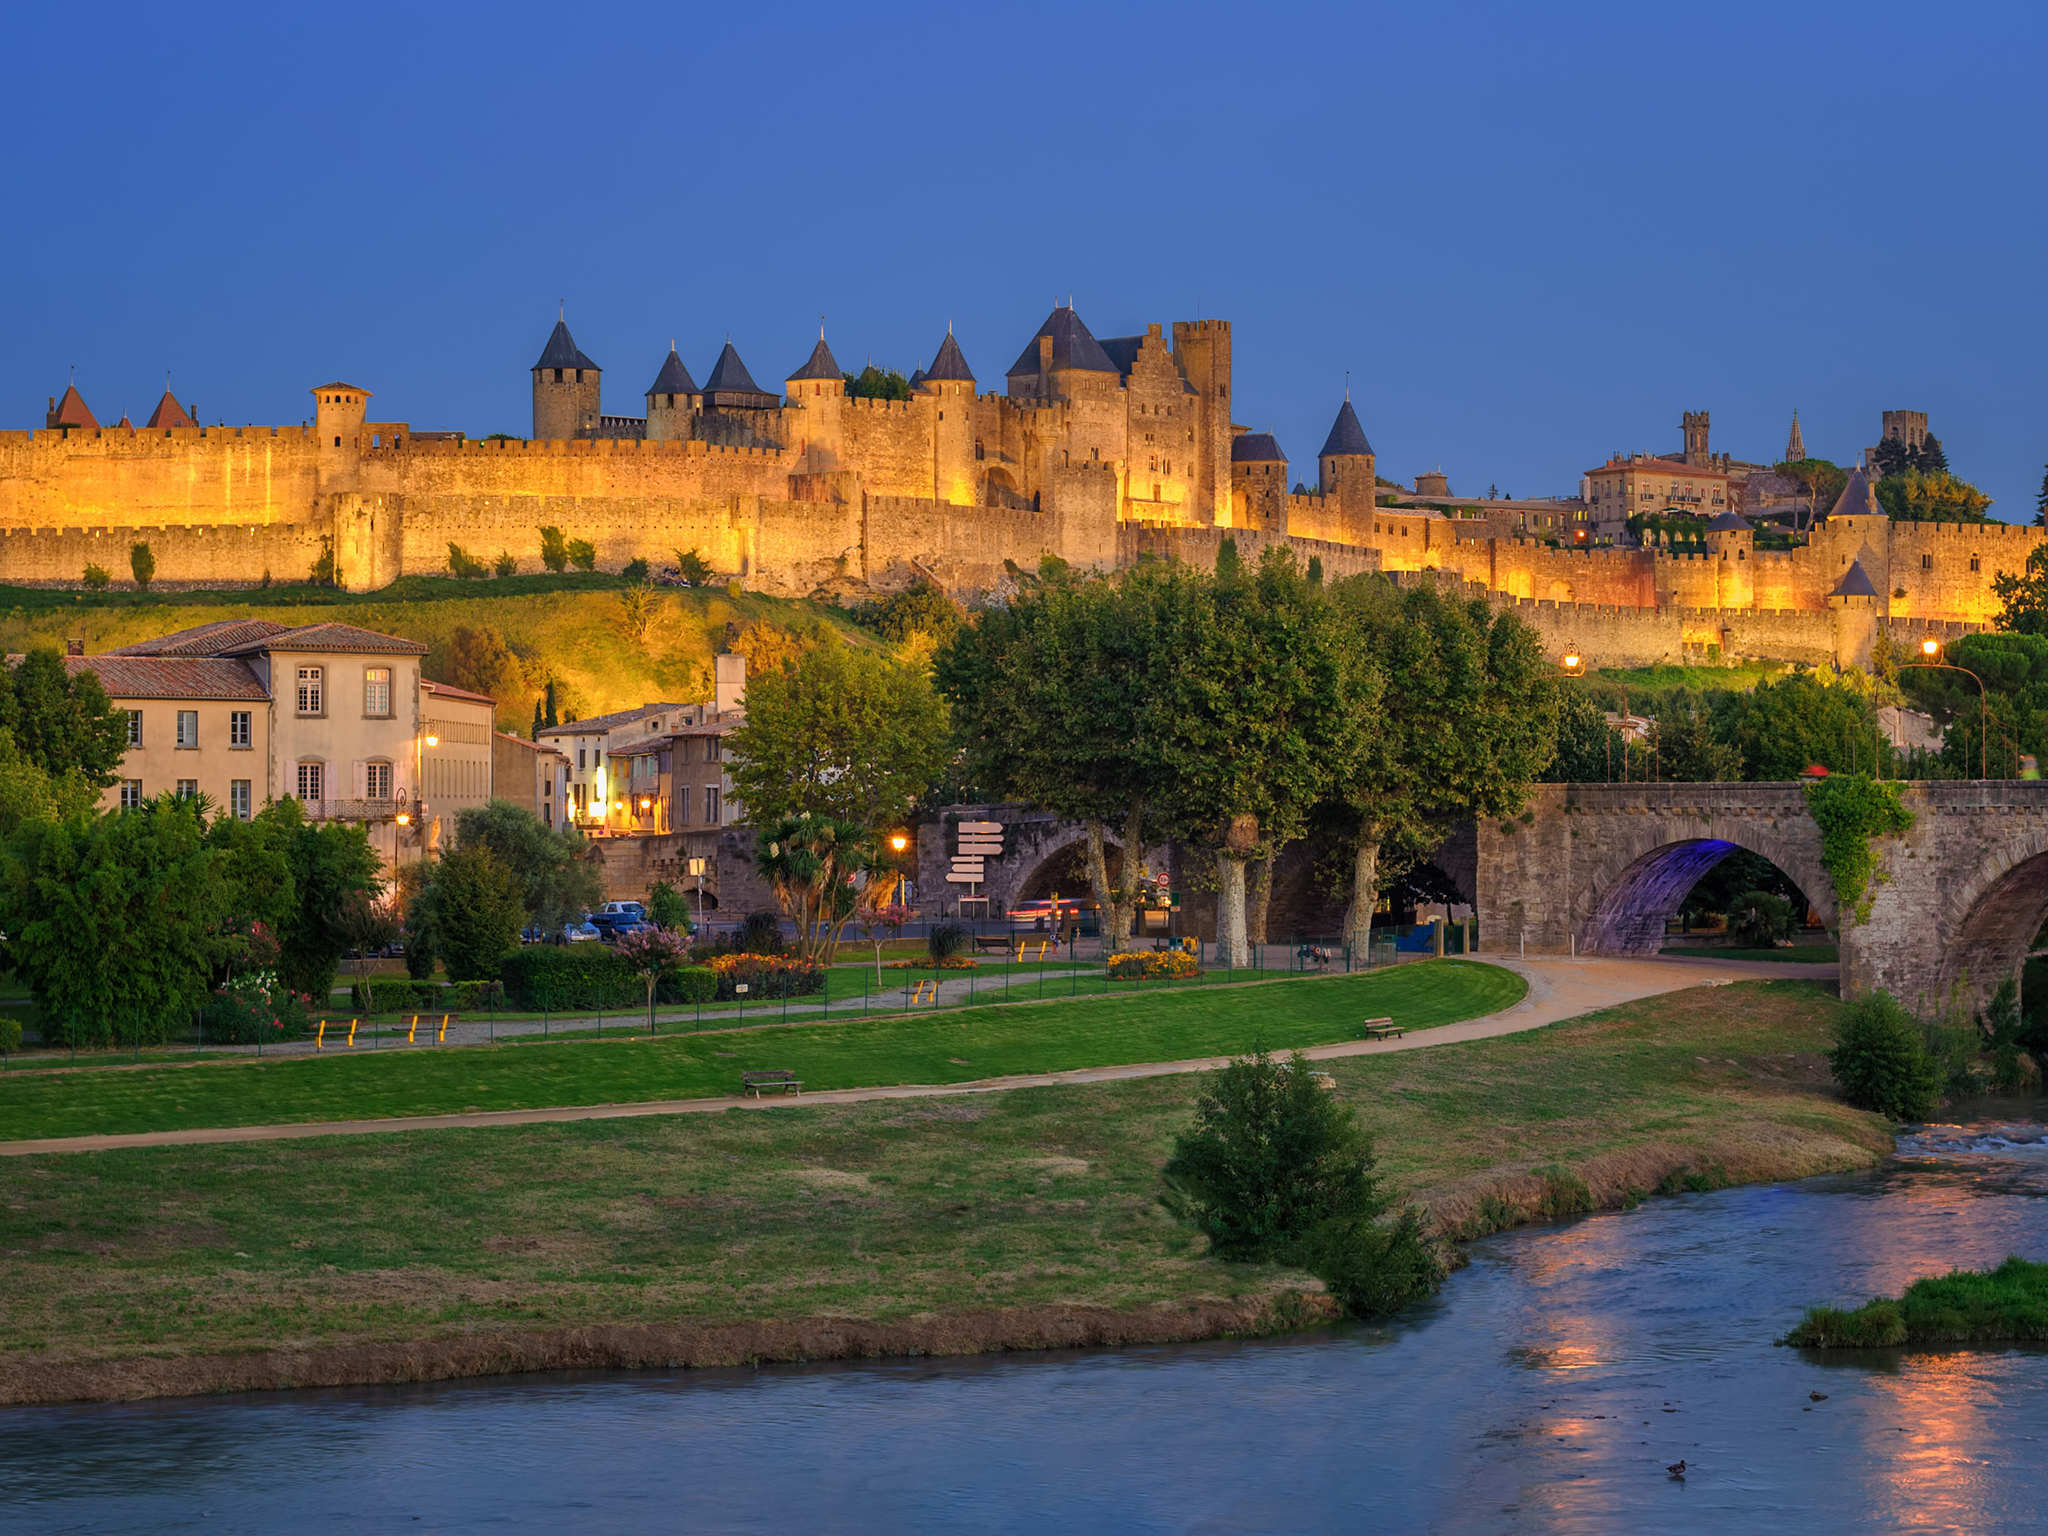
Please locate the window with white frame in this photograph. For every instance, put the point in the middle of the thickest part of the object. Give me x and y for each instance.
(238, 799)
(377, 692)
(134, 727)
(312, 781)
(188, 727)
(377, 780)
(131, 794)
(188, 789)
(312, 698)
(240, 729)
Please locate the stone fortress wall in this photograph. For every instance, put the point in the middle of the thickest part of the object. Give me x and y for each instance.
(1098, 453)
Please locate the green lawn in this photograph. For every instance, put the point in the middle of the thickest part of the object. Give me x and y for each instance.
(887, 1210)
(947, 1047)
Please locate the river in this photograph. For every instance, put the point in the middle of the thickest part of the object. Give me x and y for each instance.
(1545, 1390)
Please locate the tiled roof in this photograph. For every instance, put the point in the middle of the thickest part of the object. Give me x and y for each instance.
(214, 639)
(674, 378)
(951, 363)
(1346, 435)
(1855, 582)
(1255, 448)
(562, 351)
(169, 413)
(819, 365)
(170, 677)
(449, 690)
(71, 411)
(1856, 499)
(1663, 467)
(531, 746)
(597, 724)
(329, 637)
(353, 389)
(1073, 346)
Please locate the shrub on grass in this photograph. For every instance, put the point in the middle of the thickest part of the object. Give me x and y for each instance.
(1154, 965)
(252, 1007)
(1880, 1060)
(634, 569)
(1760, 919)
(687, 984)
(559, 978)
(582, 554)
(389, 994)
(96, 577)
(945, 940)
(471, 996)
(759, 933)
(1277, 1169)
(767, 976)
(507, 564)
(10, 1036)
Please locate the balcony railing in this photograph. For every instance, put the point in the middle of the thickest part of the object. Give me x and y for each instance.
(352, 810)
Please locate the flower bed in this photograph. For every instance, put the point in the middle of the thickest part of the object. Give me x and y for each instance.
(766, 976)
(252, 1007)
(1154, 965)
(926, 963)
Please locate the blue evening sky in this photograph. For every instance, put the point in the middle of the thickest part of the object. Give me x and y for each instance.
(1533, 233)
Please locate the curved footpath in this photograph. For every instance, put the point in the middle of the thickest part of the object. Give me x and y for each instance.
(1559, 989)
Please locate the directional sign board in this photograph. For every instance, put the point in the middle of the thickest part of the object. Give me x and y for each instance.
(974, 843)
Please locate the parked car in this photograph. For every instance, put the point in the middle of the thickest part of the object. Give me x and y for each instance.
(632, 909)
(616, 930)
(532, 933)
(580, 933)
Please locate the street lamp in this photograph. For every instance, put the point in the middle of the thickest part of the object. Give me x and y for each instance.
(1932, 647)
(697, 871)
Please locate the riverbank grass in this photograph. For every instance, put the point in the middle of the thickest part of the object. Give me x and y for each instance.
(1987, 1308)
(435, 1253)
(951, 1047)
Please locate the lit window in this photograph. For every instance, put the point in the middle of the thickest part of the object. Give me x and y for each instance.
(377, 781)
(377, 692)
(239, 733)
(238, 799)
(188, 727)
(134, 727)
(310, 697)
(312, 781)
(131, 794)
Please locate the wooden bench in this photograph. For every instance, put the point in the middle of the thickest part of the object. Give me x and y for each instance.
(757, 1082)
(992, 941)
(1381, 1029)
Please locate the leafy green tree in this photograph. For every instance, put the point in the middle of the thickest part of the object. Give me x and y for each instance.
(1782, 727)
(114, 920)
(1276, 1168)
(331, 864)
(921, 609)
(2013, 669)
(694, 568)
(507, 564)
(1891, 457)
(96, 578)
(2041, 501)
(463, 565)
(1588, 747)
(582, 554)
(555, 868)
(669, 908)
(471, 908)
(648, 952)
(32, 793)
(554, 549)
(553, 719)
(1761, 918)
(1685, 747)
(873, 383)
(1932, 455)
(1465, 720)
(1880, 1060)
(812, 861)
(1269, 708)
(2023, 595)
(838, 732)
(1051, 700)
(1821, 479)
(539, 719)
(142, 564)
(1931, 496)
(62, 721)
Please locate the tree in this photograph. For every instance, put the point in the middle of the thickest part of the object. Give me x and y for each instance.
(142, 564)
(1465, 721)
(1686, 748)
(669, 908)
(921, 609)
(1880, 1060)
(1782, 727)
(1276, 1168)
(114, 920)
(96, 577)
(507, 564)
(1891, 457)
(552, 720)
(636, 610)
(1931, 496)
(539, 719)
(62, 721)
(554, 549)
(2041, 501)
(1267, 710)
(694, 569)
(463, 565)
(2023, 595)
(582, 554)
(838, 732)
(1588, 747)
(476, 657)
(1761, 918)
(330, 865)
(1051, 700)
(647, 952)
(1932, 455)
(883, 923)
(552, 867)
(368, 924)
(1821, 479)
(873, 383)
(812, 862)
(471, 910)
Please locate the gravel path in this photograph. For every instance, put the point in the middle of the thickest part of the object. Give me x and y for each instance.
(1558, 989)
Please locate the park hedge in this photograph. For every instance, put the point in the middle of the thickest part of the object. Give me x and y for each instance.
(396, 994)
(551, 978)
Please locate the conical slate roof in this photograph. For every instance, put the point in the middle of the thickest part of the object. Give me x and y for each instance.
(819, 365)
(729, 376)
(169, 413)
(951, 363)
(1729, 522)
(1346, 435)
(562, 351)
(1073, 346)
(1855, 582)
(1255, 448)
(1856, 499)
(674, 378)
(72, 411)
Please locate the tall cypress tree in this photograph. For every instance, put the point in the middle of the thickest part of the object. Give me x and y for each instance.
(539, 723)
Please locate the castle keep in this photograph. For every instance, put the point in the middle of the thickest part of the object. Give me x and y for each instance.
(1095, 450)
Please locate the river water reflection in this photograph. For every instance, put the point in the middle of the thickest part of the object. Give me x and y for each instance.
(1545, 1391)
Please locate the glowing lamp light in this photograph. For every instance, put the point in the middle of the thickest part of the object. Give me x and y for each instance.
(433, 741)
(405, 818)
(1571, 662)
(1930, 647)
(646, 804)
(899, 842)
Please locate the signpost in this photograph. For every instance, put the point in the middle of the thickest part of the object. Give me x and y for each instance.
(974, 843)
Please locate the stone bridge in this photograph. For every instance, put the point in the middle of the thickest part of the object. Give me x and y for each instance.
(1042, 855)
(1599, 868)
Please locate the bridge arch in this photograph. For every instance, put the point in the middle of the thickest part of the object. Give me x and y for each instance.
(1632, 892)
(1989, 920)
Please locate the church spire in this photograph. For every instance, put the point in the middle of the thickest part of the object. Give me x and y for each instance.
(1795, 445)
